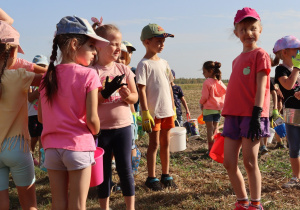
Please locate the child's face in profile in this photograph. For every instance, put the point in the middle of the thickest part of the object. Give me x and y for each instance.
(207, 73)
(156, 44)
(122, 58)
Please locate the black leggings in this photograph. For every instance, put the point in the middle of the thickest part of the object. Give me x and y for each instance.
(119, 142)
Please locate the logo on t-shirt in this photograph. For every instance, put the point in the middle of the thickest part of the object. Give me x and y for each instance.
(246, 71)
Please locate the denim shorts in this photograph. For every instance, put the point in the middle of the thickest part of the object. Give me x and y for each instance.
(16, 161)
(236, 127)
(67, 160)
(212, 118)
(293, 134)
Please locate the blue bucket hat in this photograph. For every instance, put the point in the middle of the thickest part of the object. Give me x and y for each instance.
(76, 25)
(40, 59)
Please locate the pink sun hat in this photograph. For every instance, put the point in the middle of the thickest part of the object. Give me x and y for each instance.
(10, 35)
(244, 13)
(285, 43)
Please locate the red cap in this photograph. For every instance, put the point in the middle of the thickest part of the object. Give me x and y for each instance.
(244, 13)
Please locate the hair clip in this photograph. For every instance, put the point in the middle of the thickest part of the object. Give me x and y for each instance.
(98, 22)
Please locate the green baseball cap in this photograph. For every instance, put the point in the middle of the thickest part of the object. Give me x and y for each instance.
(154, 30)
(128, 44)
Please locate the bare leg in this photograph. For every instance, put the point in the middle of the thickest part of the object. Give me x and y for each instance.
(152, 151)
(129, 200)
(4, 200)
(295, 163)
(104, 203)
(59, 188)
(27, 197)
(250, 151)
(164, 150)
(210, 132)
(231, 155)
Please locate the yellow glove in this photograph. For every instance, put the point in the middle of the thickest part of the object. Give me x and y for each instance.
(147, 121)
(175, 115)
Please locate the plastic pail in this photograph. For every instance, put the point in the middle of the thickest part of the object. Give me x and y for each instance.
(280, 130)
(272, 133)
(217, 151)
(177, 139)
(97, 169)
(194, 127)
(200, 119)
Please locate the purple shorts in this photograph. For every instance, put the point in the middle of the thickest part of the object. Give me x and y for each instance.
(236, 127)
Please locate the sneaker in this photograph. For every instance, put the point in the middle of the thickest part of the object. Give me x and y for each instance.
(252, 207)
(168, 182)
(240, 207)
(153, 184)
(113, 164)
(263, 150)
(294, 181)
(280, 146)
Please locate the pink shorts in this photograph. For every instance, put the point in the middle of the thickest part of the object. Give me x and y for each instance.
(67, 160)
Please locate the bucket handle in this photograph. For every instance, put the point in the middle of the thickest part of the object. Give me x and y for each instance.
(188, 117)
(272, 121)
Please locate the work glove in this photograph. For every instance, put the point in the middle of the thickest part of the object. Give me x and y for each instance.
(147, 121)
(111, 87)
(254, 127)
(275, 114)
(175, 115)
(296, 60)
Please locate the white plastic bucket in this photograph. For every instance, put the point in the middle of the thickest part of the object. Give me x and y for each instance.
(177, 139)
(272, 133)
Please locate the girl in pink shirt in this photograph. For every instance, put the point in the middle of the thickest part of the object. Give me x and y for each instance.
(115, 115)
(68, 110)
(212, 99)
(246, 109)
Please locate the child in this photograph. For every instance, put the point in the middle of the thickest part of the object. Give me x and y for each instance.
(154, 77)
(287, 76)
(68, 110)
(15, 156)
(115, 115)
(34, 126)
(178, 97)
(212, 99)
(246, 109)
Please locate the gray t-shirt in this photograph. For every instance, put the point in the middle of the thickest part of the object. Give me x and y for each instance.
(157, 77)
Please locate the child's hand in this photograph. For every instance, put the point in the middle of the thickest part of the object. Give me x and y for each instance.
(124, 92)
(275, 114)
(147, 121)
(254, 127)
(297, 95)
(296, 60)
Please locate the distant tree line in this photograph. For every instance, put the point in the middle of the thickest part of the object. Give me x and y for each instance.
(192, 80)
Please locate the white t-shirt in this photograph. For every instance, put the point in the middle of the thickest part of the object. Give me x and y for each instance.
(157, 77)
(32, 107)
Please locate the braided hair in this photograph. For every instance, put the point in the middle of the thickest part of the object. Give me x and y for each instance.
(5, 50)
(215, 67)
(62, 42)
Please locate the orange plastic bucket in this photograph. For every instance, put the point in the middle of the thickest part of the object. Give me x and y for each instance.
(200, 119)
(97, 175)
(217, 150)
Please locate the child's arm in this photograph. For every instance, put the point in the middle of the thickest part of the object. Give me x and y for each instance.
(33, 95)
(254, 127)
(22, 63)
(147, 119)
(5, 17)
(289, 82)
(275, 106)
(40, 116)
(92, 118)
(185, 105)
(205, 94)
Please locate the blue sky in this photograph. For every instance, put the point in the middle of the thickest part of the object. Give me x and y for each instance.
(202, 28)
